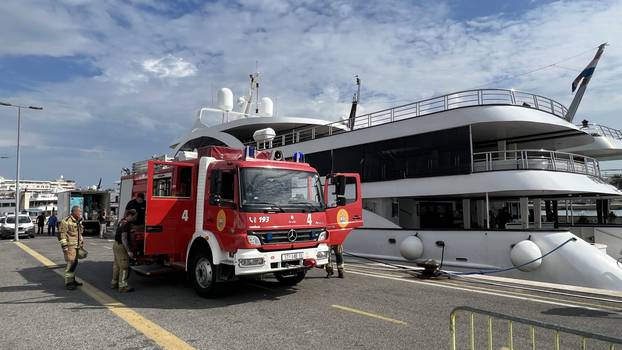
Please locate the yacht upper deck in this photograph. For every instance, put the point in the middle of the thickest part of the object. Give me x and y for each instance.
(456, 100)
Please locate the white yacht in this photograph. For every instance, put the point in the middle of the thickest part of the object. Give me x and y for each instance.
(36, 195)
(482, 180)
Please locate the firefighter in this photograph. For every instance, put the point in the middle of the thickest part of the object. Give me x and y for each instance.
(122, 253)
(70, 239)
(338, 249)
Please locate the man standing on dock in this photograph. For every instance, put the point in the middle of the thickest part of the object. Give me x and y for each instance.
(40, 223)
(338, 250)
(70, 239)
(52, 223)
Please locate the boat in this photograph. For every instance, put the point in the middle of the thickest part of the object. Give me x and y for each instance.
(488, 181)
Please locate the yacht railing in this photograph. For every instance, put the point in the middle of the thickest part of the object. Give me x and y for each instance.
(601, 130)
(417, 109)
(535, 160)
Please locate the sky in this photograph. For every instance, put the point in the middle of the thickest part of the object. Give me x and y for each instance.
(120, 81)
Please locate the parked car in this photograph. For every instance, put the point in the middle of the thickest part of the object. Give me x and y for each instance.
(25, 227)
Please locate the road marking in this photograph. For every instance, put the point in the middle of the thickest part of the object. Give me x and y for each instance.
(369, 314)
(161, 336)
(108, 247)
(505, 294)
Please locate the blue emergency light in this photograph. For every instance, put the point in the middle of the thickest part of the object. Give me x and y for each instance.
(249, 152)
(299, 157)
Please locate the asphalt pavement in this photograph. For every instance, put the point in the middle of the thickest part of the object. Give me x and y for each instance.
(372, 308)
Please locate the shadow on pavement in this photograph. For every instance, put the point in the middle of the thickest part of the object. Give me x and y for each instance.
(171, 291)
(578, 312)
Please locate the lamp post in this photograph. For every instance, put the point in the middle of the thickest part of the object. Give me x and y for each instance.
(19, 120)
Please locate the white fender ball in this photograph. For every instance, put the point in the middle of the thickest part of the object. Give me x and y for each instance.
(411, 248)
(523, 252)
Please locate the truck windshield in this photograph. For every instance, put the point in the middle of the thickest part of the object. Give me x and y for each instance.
(280, 190)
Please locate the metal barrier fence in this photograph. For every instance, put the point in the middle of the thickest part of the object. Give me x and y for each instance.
(558, 331)
(535, 159)
(447, 102)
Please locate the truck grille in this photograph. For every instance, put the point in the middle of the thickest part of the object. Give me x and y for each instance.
(287, 236)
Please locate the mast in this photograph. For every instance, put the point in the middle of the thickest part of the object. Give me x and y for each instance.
(583, 78)
(252, 91)
(355, 101)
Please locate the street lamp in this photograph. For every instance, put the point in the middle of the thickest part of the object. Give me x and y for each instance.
(19, 120)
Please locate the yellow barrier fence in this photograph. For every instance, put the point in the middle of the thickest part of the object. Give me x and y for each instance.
(569, 336)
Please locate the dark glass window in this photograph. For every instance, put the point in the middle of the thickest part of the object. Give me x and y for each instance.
(439, 153)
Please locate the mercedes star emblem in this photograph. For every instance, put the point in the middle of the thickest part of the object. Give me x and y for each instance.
(292, 235)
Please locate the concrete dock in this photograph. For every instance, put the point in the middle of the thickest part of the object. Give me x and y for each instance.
(374, 307)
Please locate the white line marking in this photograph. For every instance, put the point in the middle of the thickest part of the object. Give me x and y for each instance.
(401, 279)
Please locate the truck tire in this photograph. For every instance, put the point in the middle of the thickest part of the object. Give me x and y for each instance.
(203, 275)
(290, 278)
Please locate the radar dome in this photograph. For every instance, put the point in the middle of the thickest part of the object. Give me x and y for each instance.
(267, 107)
(225, 99)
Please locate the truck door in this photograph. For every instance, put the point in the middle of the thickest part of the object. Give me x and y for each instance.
(170, 206)
(344, 205)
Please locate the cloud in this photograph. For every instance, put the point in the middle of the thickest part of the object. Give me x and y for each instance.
(169, 67)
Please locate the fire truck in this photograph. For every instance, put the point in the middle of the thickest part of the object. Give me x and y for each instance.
(221, 213)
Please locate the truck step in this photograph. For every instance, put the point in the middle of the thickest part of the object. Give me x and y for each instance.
(152, 270)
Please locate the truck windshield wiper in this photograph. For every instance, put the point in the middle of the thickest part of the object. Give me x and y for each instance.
(309, 205)
(273, 205)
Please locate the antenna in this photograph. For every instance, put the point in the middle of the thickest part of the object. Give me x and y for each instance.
(355, 101)
(257, 87)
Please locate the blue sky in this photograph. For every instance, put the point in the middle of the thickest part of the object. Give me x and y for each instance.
(121, 80)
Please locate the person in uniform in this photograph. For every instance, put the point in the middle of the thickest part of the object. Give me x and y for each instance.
(122, 250)
(139, 205)
(330, 271)
(70, 239)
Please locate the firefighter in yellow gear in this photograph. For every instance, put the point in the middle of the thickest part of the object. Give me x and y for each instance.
(70, 239)
(122, 250)
(338, 250)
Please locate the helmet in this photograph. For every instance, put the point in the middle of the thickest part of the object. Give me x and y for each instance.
(82, 253)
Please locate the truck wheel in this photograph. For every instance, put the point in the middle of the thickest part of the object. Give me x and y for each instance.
(203, 275)
(290, 278)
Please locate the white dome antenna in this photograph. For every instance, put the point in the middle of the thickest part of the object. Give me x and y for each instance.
(266, 109)
(225, 99)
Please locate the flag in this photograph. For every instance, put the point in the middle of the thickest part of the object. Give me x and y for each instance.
(99, 185)
(586, 74)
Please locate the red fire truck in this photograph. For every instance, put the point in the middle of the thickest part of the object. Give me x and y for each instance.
(229, 213)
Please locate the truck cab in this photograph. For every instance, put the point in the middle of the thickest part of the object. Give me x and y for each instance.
(227, 214)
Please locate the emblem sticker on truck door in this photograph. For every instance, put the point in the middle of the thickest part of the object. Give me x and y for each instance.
(221, 220)
(342, 218)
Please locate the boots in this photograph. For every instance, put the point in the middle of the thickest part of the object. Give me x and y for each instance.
(123, 285)
(340, 273)
(77, 284)
(329, 271)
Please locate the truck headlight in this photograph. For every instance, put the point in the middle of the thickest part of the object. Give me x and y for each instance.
(253, 240)
(322, 255)
(323, 236)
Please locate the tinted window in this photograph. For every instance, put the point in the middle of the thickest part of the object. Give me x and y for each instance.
(445, 152)
(223, 184)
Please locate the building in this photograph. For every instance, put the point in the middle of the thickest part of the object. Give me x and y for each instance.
(36, 195)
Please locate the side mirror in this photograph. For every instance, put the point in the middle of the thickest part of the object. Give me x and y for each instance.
(214, 199)
(340, 185)
(341, 201)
